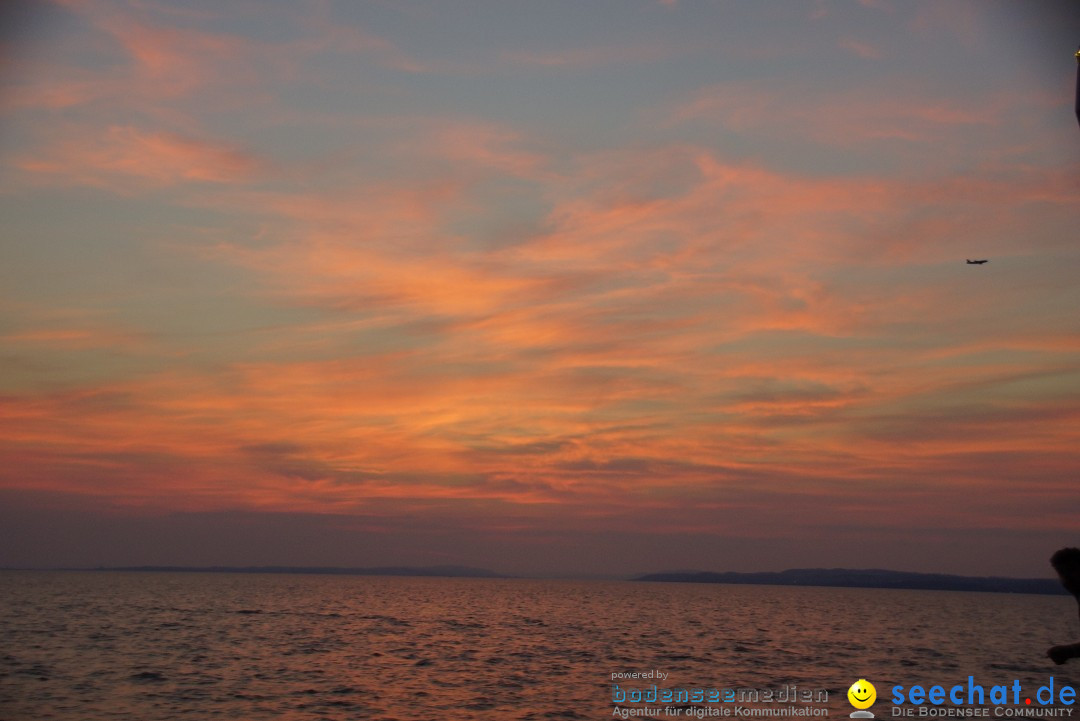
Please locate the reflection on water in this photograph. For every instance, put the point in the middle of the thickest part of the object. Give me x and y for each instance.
(140, 646)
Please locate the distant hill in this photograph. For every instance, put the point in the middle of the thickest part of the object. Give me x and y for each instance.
(866, 578)
(440, 571)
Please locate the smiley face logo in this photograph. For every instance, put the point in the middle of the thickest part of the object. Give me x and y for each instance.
(862, 694)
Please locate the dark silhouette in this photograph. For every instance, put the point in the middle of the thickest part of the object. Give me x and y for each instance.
(977, 262)
(1078, 86)
(1067, 564)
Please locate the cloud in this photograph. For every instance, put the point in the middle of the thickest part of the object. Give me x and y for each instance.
(77, 338)
(674, 327)
(177, 61)
(862, 49)
(486, 146)
(959, 20)
(56, 95)
(748, 323)
(839, 119)
(169, 56)
(582, 58)
(324, 35)
(126, 154)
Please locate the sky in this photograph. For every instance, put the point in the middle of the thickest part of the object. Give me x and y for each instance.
(591, 287)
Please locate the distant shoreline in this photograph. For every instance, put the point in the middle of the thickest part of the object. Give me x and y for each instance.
(867, 578)
(820, 577)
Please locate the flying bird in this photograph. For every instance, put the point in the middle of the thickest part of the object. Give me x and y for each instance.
(977, 262)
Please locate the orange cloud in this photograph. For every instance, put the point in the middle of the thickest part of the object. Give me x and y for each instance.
(126, 153)
(671, 333)
(489, 147)
(379, 433)
(76, 338)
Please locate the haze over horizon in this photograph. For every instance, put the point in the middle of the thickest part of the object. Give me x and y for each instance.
(546, 288)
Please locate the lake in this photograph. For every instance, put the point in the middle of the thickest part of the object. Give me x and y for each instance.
(148, 646)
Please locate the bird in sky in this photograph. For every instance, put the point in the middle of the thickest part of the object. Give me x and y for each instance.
(977, 262)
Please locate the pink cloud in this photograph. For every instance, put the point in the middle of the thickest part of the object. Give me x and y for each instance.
(960, 20)
(325, 35)
(862, 49)
(486, 146)
(125, 152)
(843, 119)
(579, 58)
(169, 59)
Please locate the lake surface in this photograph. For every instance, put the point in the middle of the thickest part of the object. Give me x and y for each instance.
(148, 646)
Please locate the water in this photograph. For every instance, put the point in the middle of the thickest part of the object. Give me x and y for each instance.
(142, 646)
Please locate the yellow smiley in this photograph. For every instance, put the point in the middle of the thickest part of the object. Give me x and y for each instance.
(862, 694)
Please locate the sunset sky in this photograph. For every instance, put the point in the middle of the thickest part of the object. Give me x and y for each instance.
(589, 287)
